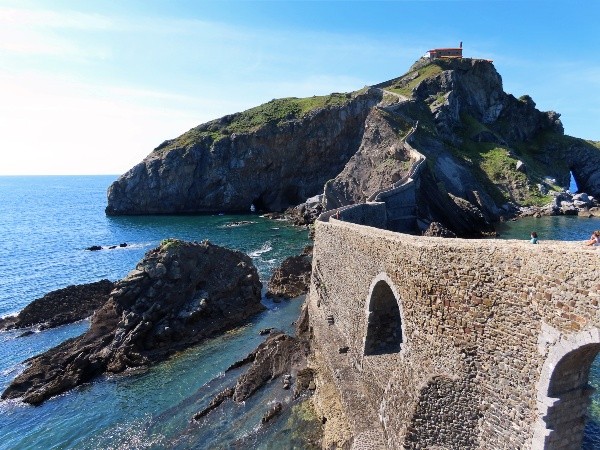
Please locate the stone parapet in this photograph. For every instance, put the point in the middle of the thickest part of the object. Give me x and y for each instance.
(497, 336)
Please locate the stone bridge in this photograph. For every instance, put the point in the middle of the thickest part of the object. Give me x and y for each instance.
(454, 344)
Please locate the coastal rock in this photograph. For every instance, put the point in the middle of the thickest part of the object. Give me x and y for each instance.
(292, 278)
(272, 413)
(61, 306)
(273, 157)
(381, 160)
(564, 203)
(305, 213)
(215, 402)
(178, 295)
(482, 146)
(436, 229)
(278, 355)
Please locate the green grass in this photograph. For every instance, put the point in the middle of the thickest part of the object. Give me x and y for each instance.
(170, 243)
(493, 165)
(273, 112)
(405, 87)
(542, 144)
(283, 109)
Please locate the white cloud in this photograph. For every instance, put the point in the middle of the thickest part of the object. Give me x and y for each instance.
(33, 32)
(54, 126)
(14, 17)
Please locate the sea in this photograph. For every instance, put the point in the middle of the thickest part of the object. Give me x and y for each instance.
(46, 224)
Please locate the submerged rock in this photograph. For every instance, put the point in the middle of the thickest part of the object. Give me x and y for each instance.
(272, 413)
(215, 402)
(178, 295)
(61, 306)
(279, 355)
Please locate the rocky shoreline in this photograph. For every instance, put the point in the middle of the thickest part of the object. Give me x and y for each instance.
(292, 278)
(567, 204)
(62, 306)
(280, 357)
(178, 295)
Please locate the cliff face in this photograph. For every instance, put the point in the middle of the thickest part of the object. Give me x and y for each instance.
(272, 159)
(486, 151)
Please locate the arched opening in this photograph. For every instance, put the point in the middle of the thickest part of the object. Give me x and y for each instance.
(384, 329)
(570, 394)
(591, 435)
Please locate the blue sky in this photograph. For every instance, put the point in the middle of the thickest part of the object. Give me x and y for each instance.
(92, 87)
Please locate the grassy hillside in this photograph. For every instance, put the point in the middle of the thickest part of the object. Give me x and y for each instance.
(273, 112)
(495, 165)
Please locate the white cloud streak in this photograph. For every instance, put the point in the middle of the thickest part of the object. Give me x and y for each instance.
(93, 93)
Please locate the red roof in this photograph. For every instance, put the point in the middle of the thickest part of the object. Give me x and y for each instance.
(440, 49)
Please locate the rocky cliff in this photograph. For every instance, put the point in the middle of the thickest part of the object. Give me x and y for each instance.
(487, 152)
(273, 156)
(178, 295)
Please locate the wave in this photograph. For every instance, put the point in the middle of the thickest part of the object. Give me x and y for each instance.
(266, 247)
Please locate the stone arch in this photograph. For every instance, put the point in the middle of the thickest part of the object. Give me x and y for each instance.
(564, 393)
(385, 330)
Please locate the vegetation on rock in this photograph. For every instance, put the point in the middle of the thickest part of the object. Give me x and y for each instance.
(485, 146)
(273, 112)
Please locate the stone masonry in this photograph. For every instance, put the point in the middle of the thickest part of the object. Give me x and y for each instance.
(452, 343)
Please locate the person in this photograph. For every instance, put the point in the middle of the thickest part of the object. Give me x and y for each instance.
(534, 238)
(594, 239)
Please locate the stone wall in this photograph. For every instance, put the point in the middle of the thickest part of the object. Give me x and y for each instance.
(372, 214)
(496, 337)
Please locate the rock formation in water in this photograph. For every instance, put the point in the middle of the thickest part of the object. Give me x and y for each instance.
(488, 153)
(279, 356)
(178, 295)
(292, 278)
(61, 306)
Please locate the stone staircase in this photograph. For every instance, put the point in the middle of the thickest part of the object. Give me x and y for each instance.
(400, 198)
(393, 208)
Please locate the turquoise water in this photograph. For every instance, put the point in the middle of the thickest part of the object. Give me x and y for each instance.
(46, 224)
(565, 228)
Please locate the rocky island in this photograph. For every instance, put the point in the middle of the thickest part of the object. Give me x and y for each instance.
(178, 295)
(488, 153)
(408, 336)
